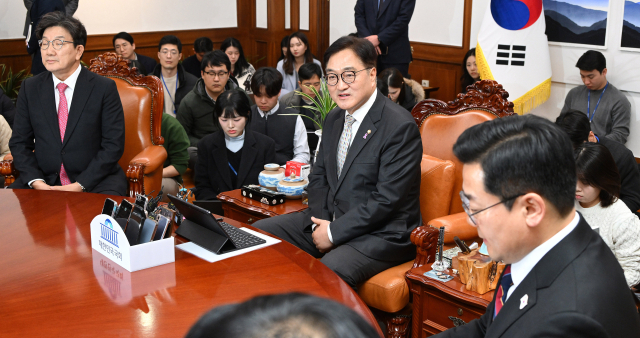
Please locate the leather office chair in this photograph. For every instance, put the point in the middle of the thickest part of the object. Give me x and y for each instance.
(440, 126)
(142, 100)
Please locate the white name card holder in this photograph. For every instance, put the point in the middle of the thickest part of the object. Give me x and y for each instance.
(108, 238)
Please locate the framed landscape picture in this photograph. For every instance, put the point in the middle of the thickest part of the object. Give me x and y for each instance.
(577, 22)
(631, 26)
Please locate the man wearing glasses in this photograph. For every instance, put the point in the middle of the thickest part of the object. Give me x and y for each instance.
(365, 185)
(68, 132)
(561, 279)
(196, 110)
(176, 82)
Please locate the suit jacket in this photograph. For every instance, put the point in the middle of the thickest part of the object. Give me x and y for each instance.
(375, 200)
(93, 140)
(148, 63)
(390, 23)
(212, 169)
(38, 9)
(576, 290)
(70, 7)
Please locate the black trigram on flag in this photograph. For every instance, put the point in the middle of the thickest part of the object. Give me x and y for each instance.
(511, 53)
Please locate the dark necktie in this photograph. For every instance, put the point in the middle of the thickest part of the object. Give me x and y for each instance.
(505, 283)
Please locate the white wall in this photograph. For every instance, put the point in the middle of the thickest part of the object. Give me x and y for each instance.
(113, 16)
(341, 19)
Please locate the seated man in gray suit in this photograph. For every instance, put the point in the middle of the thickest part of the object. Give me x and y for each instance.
(364, 187)
(561, 279)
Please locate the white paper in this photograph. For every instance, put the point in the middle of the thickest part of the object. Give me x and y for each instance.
(211, 257)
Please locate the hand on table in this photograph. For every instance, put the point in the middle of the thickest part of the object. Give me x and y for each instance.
(69, 187)
(321, 236)
(40, 185)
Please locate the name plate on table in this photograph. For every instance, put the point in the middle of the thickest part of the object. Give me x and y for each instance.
(108, 238)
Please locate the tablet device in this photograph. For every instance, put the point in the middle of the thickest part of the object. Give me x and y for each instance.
(215, 206)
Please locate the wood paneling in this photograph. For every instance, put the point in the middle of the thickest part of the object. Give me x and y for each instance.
(440, 64)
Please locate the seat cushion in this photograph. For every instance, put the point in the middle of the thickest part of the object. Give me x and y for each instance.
(387, 291)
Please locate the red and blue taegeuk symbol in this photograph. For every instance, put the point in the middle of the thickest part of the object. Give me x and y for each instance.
(516, 14)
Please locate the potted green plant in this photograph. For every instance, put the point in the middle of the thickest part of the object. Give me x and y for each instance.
(321, 105)
(10, 83)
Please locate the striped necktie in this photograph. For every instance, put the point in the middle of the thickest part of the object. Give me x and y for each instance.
(503, 290)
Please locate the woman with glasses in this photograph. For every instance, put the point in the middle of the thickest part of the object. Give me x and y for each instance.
(241, 69)
(299, 54)
(597, 200)
(233, 156)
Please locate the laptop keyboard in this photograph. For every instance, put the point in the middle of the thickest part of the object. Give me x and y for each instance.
(241, 239)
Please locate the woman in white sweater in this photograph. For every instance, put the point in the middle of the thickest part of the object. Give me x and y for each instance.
(597, 200)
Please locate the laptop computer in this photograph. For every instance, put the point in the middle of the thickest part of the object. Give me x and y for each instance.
(202, 228)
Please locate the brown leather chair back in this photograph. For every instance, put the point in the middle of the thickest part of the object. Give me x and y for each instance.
(142, 100)
(136, 103)
(436, 187)
(442, 123)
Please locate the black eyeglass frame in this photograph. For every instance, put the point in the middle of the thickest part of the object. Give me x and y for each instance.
(467, 209)
(341, 76)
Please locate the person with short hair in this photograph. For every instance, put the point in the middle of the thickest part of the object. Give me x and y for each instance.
(597, 201)
(68, 133)
(175, 143)
(192, 64)
(392, 84)
(470, 74)
(364, 187)
(241, 69)
(196, 112)
(176, 82)
(577, 126)
(608, 110)
(310, 76)
(233, 156)
(292, 315)
(561, 279)
(280, 123)
(126, 49)
(298, 54)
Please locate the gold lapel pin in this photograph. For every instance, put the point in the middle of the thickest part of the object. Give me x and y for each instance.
(369, 131)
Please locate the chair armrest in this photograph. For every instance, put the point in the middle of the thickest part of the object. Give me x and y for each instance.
(455, 225)
(8, 171)
(151, 158)
(426, 240)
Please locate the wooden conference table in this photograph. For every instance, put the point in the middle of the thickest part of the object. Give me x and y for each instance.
(54, 284)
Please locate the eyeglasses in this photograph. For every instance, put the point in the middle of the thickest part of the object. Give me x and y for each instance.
(166, 51)
(218, 74)
(347, 77)
(57, 44)
(467, 209)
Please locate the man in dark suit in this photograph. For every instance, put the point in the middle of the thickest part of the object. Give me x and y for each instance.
(386, 24)
(577, 125)
(126, 48)
(364, 187)
(561, 279)
(68, 132)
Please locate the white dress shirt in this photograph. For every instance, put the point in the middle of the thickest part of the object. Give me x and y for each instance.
(300, 144)
(68, 93)
(358, 115)
(521, 269)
